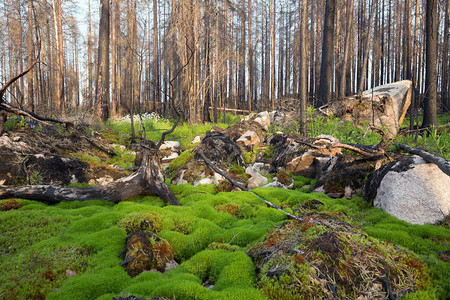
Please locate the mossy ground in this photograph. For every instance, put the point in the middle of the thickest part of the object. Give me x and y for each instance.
(209, 234)
(42, 246)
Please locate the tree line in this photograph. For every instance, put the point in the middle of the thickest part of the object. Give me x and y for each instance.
(202, 58)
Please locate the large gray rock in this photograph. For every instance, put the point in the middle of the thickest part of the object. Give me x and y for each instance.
(411, 190)
(384, 106)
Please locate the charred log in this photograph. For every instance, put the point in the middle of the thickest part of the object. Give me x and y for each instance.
(147, 180)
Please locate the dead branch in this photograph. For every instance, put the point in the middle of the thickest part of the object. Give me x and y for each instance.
(233, 182)
(12, 80)
(355, 148)
(22, 112)
(442, 164)
(161, 141)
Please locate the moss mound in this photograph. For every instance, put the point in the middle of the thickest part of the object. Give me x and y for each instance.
(142, 220)
(145, 251)
(10, 204)
(324, 257)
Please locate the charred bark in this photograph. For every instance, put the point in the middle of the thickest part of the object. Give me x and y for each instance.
(147, 180)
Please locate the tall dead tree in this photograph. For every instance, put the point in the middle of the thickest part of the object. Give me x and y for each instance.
(324, 93)
(303, 92)
(102, 93)
(348, 35)
(446, 60)
(366, 52)
(30, 46)
(430, 101)
(60, 105)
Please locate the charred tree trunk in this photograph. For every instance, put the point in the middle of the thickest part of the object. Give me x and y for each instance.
(324, 94)
(430, 101)
(147, 180)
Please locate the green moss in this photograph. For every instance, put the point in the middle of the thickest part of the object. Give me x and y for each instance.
(10, 204)
(211, 226)
(142, 220)
(180, 160)
(92, 285)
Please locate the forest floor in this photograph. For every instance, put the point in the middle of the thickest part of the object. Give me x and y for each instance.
(71, 250)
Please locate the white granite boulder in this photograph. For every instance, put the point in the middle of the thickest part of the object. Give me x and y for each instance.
(411, 190)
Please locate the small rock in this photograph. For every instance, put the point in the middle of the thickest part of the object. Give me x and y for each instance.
(171, 265)
(276, 184)
(263, 118)
(204, 181)
(104, 180)
(169, 158)
(249, 138)
(70, 273)
(257, 180)
(250, 171)
(173, 146)
(262, 168)
(196, 140)
(218, 178)
(276, 117)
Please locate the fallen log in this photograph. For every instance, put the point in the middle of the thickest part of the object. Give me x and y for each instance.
(146, 181)
(442, 164)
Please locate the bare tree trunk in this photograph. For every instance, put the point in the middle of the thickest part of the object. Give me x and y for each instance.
(303, 92)
(102, 93)
(207, 80)
(250, 56)
(407, 45)
(348, 34)
(327, 53)
(59, 57)
(156, 63)
(114, 68)
(367, 48)
(30, 94)
(272, 31)
(415, 66)
(445, 60)
(430, 101)
(90, 65)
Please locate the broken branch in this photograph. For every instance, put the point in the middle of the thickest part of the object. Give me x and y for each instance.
(233, 182)
(442, 164)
